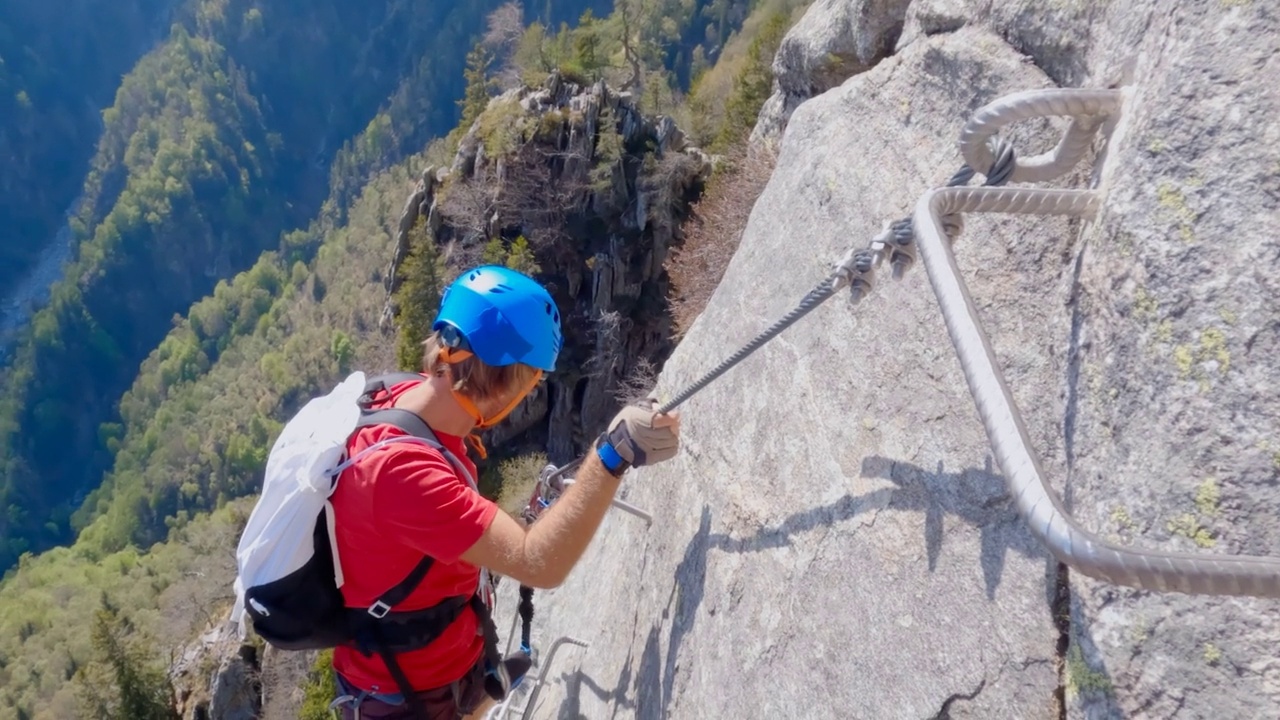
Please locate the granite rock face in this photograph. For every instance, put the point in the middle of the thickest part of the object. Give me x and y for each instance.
(834, 540)
(849, 550)
(833, 40)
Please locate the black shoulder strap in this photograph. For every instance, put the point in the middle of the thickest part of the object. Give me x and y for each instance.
(526, 618)
(403, 589)
(407, 691)
(414, 425)
(403, 419)
(386, 380)
(378, 383)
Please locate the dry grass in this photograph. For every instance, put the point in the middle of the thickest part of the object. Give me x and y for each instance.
(713, 231)
(639, 382)
(519, 475)
(468, 203)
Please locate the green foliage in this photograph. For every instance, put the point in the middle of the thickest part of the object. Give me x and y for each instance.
(54, 653)
(530, 57)
(752, 85)
(712, 86)
(343, 351)
(1081, 678)
(503, 127)
(476, 96)
(179, 157)
(587, 59)
(515, 478)
(495, 252)
(698, 66)
(123, 682)
(426, 38)
(608, 152)
(58, 65)
(521, 257)
(320, 689)
(418, 296)
(518, 255)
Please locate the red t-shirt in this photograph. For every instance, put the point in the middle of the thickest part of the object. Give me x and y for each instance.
(393, 506)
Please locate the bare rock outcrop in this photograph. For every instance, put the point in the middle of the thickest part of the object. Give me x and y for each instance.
(216, 677)
(833, 41)
(835, 540)
(598, 191)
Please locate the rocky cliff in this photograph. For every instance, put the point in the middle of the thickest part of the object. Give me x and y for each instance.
(598, 190)
(834, 539)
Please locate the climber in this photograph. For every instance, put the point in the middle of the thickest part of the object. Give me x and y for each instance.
(496, 335)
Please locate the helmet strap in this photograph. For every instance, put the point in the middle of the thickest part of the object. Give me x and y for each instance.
(453, 355)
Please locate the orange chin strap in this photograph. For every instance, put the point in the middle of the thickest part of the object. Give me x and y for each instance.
(453, 355)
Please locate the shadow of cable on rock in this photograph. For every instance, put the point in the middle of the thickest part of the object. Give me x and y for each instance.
(977, 496)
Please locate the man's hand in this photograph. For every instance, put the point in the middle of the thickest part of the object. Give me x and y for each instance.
(643, 437)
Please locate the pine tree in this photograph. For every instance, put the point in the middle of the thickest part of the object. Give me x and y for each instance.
(586, 45)
(476, 96)
(418, 296)
(521, 257)
(752, 85)
(698, 65)
(124, 684)
(494, 253)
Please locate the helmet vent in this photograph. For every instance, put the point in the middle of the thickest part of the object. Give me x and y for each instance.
(500, 288)
(555, 314)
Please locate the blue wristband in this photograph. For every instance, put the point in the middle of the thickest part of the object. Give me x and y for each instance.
(609, 456)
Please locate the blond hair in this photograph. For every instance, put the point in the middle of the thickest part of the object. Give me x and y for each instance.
(472, 377)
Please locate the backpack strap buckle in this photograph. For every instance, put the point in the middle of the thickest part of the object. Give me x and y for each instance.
(379, 609)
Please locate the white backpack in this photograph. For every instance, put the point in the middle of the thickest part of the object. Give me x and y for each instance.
(289, 569)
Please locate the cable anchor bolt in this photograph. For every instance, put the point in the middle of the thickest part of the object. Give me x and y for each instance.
(902, 247)
(857, 270)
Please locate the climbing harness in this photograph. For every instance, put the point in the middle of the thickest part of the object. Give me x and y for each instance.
(935, 223)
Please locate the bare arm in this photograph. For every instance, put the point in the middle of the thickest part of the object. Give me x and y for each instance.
(542, 555)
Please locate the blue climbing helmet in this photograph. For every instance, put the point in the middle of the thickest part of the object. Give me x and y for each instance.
(502, 316)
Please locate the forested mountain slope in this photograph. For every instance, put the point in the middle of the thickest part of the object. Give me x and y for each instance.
(219, 142)
(190, 430)
(59, 64)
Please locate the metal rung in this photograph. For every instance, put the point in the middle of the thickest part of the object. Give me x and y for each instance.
(504, 709)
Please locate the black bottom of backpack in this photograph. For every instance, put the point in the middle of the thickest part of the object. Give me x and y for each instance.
(303, 610)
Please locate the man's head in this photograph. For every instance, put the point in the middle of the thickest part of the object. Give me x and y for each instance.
(497, 332)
